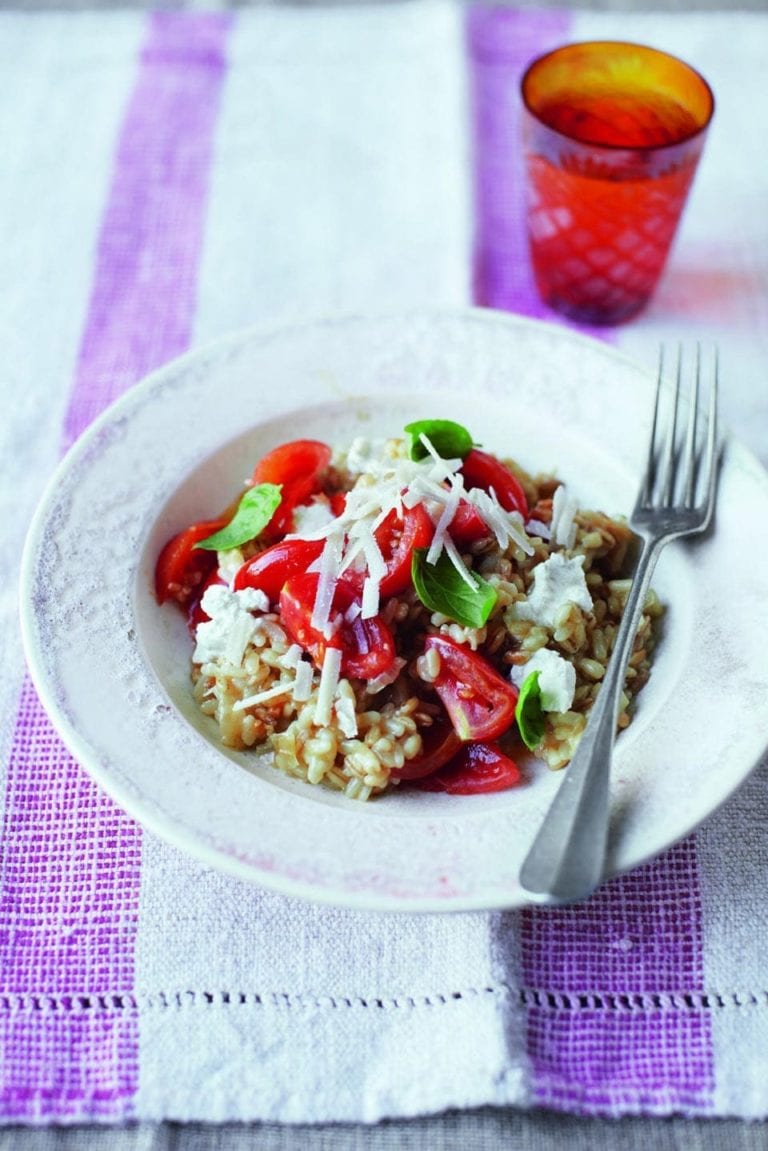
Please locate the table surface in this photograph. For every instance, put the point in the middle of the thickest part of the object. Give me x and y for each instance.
(486, 1129)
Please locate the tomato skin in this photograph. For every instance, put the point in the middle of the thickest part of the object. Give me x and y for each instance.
(367, 645)
(269, 570)
(467, 525)
(295, 460)
(480, 703)
(481, 470)
(297, 467)
(439, 745)
(397, 537)
(478, 768)
(182, 568)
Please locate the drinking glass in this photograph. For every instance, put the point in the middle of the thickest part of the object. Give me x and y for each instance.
(612, 136)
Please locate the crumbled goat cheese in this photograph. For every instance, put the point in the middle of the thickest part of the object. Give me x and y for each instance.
(556, 582)
(230, 628)
(230, 563)
(362, 454)
(307, 518)
(557, 678)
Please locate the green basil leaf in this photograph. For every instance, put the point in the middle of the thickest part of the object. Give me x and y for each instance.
(254, 512)
(441, 588)
(529, 713)
(447, 438)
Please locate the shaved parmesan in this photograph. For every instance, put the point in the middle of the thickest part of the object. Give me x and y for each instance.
(279, 689)
(506, 526)
(455, 494)
(330, 563)
(563, 525)
(302, 686)
(291, 659)
(329, 681)
(344, 707)
(452, 551)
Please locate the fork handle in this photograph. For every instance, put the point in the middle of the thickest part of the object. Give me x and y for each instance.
(566, 860)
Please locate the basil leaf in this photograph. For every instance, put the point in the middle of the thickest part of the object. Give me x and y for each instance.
(529, 713)
(441, 588)
(254, 512)
(447, 438)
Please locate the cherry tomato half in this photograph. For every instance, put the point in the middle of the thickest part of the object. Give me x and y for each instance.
(467, 525)
(397, 537)
(480, 703)
(297, 466)
(481, 470)
(182, 568)
(475, 769)
(367, 645)
(269, 570)
(439, 745)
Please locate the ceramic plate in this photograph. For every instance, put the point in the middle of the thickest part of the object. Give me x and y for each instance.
(112, 667)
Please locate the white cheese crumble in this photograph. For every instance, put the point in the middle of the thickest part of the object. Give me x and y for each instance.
(556, 582)
(557, 678)
(307, 518)
(230, 628)
(229, 563)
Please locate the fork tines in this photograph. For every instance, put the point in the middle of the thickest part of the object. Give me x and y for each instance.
(682, 445)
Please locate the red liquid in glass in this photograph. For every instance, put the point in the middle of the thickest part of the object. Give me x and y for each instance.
(601, 223)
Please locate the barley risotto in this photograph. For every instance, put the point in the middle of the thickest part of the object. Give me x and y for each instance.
(412, 611)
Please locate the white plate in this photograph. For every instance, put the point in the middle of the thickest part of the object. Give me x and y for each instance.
(112, 667)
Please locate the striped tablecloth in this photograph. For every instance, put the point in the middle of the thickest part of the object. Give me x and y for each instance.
(169, 177)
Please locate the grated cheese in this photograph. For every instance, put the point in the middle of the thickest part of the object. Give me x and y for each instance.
(563, 525)
(453, 554)
(279, 689)
(446, 515)
(291, 659)
(329, 681)
(388, 484)
(302, 685)
(330, 562)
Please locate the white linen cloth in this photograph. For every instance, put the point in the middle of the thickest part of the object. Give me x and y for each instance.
(339, 179)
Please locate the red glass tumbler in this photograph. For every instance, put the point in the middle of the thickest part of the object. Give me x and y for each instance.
(612, 136)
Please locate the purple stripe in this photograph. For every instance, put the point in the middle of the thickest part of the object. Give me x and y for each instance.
(640, 934)
(71, 868)
(632, 1043)
(501, 42)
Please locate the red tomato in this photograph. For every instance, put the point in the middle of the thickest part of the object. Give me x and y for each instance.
(467, 525)
(476, 768)
(397, 537)
(297, 467)
(481, 470)
(338, 502)
(367, 645)
(181, 567)
(439, 745)
(481, 704)
(269, 570)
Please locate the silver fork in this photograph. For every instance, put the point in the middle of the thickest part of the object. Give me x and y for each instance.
(677, 495)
